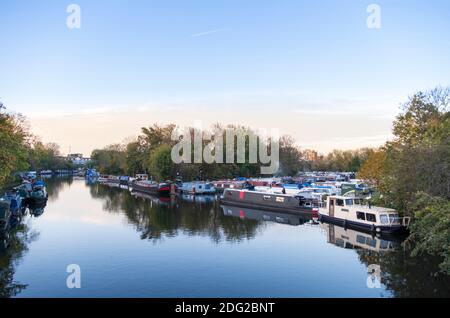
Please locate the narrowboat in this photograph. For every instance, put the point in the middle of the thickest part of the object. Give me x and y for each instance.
(141, 176)
(197, 187)
(221, 185)
(38, 193)
(5, 214)
(31, 175)
(269, 201)
(124, 180)
(16, 207)
(138, 177)
(353, 212)
(108, 179)
(153, 188)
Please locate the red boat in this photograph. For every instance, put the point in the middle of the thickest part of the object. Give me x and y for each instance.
(153, 188)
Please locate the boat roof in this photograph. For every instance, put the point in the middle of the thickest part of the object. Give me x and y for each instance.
(261, 192)
(371, 208)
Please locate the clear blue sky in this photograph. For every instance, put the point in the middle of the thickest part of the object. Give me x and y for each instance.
(306, 55)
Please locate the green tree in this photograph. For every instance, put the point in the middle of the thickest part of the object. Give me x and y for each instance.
(13, 145)
(160, 162)
(110, 160)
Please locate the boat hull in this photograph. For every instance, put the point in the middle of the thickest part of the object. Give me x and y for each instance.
(361, 226)
(152, 190)
(265, 201)
(306, 211)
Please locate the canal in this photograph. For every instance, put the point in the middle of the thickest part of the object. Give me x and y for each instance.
(130, 245)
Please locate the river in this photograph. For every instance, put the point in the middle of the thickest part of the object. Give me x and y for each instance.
(129, 245)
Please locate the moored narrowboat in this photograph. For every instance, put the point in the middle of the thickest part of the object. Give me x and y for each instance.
(197, 187)
(38, 194)
(5, 214)
(269, 201)
(153, 188)
(352, 212)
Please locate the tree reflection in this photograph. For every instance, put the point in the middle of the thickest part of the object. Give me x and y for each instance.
(406, 276)
(55, 185)
(12, 249)
(401, 274)
(156, 218)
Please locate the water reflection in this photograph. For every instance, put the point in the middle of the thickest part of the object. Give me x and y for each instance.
(215, 233)
(55, 185)
(254, 214)
(13, 247)
(37, 210)
(401, 274)
(352, 239)
(156, 218)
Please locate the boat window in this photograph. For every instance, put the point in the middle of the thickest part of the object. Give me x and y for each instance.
(199, 186)
(371, 242)
(384, 219)
(392, 218)
(266, 197)
(361, 239)
(340, 243)
(384, 245)
(348, 201)
(344, 210)
(371, 217)
(361, 216)
(340, 202)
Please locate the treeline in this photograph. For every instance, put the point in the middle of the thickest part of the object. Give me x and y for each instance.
(20, 150)
(336, 160)
(412, 172)
(151, 151)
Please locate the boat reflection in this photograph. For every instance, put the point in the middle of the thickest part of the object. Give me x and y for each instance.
(352, 239)
(37, 210)
(204, 198)
(162, 201)
(13, 247)
(260, 215)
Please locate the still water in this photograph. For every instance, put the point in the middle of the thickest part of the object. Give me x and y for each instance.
(131, 245)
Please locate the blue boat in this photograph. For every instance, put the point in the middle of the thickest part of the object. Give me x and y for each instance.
(5, 215)
(39, 193)
(15, 203)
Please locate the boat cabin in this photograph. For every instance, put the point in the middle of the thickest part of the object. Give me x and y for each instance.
(141, 176)
(354, 211)
(198, 187)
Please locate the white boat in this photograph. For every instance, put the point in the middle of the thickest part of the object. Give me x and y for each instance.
(352, 212)
(198, 187)
(352, 239)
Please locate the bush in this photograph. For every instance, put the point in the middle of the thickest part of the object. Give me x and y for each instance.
(430, 229)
